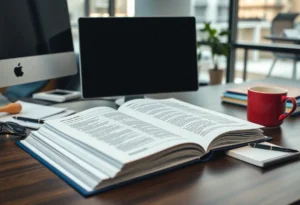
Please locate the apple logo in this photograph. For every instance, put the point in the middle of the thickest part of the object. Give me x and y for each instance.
(18, 70)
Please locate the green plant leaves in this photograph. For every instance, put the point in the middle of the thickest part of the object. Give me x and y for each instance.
(207, 28)
(213, 40)
(213, 32)
(224, 33)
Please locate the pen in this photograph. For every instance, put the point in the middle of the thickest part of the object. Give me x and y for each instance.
(268, 147)
(29, 120)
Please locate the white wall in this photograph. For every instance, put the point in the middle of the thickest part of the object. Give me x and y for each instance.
(212, 9)
(163, 7)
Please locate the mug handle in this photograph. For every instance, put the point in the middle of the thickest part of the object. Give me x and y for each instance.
(285, 115)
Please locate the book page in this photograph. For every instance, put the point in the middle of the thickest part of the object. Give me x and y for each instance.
(197, 124)
(116, 134)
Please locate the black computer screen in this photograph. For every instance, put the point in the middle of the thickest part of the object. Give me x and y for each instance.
(140, 55)
(31, 28)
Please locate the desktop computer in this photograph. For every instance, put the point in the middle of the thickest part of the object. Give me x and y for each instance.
(35, 41)
(135, 56)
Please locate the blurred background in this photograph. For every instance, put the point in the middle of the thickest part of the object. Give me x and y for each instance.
(265, 25)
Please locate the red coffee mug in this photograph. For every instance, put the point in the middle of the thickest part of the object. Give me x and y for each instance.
(266, 105)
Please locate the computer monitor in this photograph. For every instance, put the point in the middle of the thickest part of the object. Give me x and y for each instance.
(137, 55)
(35, 41)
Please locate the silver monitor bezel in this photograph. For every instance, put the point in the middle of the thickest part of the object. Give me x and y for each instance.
(37, 68)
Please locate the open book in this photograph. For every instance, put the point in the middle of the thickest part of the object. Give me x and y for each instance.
(101, 147)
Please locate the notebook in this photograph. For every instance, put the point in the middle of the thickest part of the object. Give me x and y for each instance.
(34, 111)
(261, 157)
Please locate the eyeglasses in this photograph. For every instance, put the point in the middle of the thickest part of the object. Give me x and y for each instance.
(11, 130)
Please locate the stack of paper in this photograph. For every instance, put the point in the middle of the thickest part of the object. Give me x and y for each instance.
(261, 157)
(35, 111)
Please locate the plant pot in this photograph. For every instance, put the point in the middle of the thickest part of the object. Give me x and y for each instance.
(216, 76)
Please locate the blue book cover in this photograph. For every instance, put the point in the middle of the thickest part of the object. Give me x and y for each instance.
(85, 193)
(235, 96)
(296, 113)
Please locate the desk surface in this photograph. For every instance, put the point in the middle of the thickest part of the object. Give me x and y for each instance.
(223, 180)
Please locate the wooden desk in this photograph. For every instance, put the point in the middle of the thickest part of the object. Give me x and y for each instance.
(223, 180)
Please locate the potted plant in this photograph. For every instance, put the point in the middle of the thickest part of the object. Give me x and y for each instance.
(217, 49)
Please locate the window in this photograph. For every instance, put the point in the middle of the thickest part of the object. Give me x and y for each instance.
(215, 12)
(272, 23)
(97, 8)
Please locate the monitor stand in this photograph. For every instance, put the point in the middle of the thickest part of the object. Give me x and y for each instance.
(122, 100)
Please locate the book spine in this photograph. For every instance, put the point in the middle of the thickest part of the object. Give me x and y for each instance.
(243, 103)
(244, 98)
(233, 103)
(235, 96)
(290, 105)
